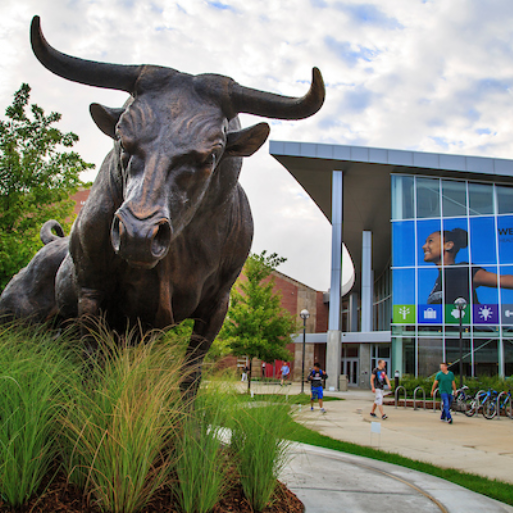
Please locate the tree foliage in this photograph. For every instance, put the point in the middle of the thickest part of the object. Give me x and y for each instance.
(38, 173)
(256, 325)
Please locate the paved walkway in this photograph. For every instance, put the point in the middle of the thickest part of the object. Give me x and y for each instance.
(333, 481)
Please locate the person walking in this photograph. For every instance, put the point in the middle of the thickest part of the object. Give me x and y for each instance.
(285, 372)
(245, 373)
(446, 385)
(315, 377)
(377, 381)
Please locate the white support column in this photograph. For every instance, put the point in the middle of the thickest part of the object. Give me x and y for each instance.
(353, 312)
(502, 360)
(367, 282)
(334, 347)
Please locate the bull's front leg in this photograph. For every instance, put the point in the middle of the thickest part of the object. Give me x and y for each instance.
(207, 325)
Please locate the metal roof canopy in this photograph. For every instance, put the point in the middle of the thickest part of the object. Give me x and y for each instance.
(367, 185)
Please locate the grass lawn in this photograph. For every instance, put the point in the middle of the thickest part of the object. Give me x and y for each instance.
(291, 399)
(495, 489)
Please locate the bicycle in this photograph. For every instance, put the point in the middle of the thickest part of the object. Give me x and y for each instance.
(461, 399)
(508, 398)
(490, 404)
(493, 407)
(475, 403)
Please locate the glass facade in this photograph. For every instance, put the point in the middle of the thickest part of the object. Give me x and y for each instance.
(452, 239)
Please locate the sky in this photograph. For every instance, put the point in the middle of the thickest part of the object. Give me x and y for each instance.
(424, 75)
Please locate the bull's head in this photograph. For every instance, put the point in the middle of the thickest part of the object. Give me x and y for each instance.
(176, 140)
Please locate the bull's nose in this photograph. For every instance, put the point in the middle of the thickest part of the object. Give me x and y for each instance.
(161, 239)
(141, 242)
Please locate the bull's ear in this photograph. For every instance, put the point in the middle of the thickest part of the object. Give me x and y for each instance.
(244, 143)
(105, 118)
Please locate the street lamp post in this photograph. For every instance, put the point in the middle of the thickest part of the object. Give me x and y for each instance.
(304, 315)
(461, 304)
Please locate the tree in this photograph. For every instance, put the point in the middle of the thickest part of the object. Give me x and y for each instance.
(256, 325)
(37, 176)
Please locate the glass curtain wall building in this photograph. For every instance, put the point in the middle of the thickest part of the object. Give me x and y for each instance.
(422, 230)
(450, 239)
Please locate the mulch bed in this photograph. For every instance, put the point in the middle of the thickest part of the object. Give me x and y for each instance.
(62, 497)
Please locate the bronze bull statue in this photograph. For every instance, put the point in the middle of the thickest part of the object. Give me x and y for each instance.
(167, 227)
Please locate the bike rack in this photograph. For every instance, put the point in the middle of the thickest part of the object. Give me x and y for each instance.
(498, 414)
(434, 400)
(397, 390)
(479, 405)
(421, 389)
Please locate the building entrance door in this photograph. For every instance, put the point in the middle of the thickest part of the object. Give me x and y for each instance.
(352, 370)
(351, 363)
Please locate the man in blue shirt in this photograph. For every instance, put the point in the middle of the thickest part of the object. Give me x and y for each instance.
(316, 376)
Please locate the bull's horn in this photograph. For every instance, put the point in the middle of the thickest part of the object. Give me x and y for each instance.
(252, 101)
(111, 76)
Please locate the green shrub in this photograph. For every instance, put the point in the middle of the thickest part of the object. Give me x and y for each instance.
(260, 449)
(202, 466)
(474, 384)
(34, 373)
(123, 421)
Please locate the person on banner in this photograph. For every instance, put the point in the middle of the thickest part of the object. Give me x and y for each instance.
(442, 247)
(316, 377)
(377, 381)
(446, 385)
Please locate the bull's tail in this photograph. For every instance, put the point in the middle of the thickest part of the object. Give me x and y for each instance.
(47, 234)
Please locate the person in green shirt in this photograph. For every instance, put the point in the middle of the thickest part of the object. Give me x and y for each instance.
(446, 385)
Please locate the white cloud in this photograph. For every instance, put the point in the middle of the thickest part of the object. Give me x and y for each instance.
(407, 74)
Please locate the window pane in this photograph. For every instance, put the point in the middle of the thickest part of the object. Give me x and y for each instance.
(508, 357)
(428, 197)
(383, 351)
(505, 199)
(456, 230)
(454, 198)
(505, 234)
(486, 357)
(404, 330)
(430, 356)
(482, 240)
(480, 198)
(452, 356)
(403, 243)
(402, 197)
(409, 356)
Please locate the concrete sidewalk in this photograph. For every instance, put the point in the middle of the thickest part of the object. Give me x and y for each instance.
(475, 445)
(332, 482)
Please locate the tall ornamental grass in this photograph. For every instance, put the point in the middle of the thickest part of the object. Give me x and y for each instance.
(35, 372)
(123, 421)
(260, 448)
(203, 468)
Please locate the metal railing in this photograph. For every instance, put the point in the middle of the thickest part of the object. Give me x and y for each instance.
(397, 391)
(498, 405)
(434, 400)
(419, 389)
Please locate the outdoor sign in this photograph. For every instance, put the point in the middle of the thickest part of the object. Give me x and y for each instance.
(436, 261)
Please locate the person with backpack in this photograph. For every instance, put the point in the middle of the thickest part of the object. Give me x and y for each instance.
(316, 377)
(377, 381)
